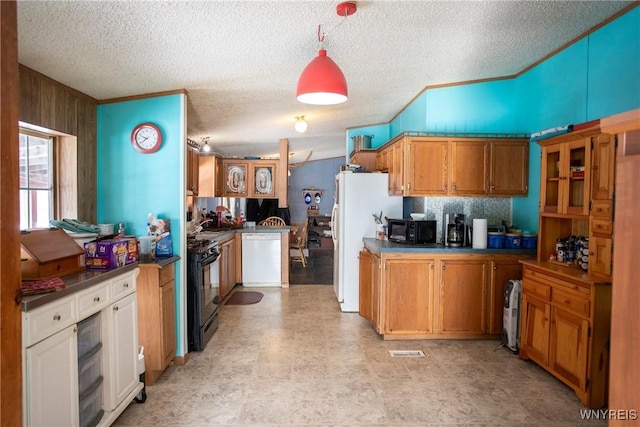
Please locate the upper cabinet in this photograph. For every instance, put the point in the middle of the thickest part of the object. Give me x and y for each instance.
(249, 178)
(445, 166)
(565, 173)
(193, 165)
(209, 175)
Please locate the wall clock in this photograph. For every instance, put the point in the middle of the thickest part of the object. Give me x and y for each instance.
(146, 138)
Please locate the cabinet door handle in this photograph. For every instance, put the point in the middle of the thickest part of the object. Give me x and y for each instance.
(57, 317)
(126, 285)
(96, 299)
(115, 308)
(453, 186)
(495, 268)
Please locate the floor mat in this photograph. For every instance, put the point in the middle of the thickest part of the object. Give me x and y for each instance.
(244, 298)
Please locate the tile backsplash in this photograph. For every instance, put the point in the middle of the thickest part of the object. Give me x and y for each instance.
(494, 209)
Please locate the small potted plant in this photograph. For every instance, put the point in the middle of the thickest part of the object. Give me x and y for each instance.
(380, 226)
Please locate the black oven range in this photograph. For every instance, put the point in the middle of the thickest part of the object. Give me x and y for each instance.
(203, 292)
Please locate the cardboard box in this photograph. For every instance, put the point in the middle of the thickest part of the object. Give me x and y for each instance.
(132, 248)
(106, 254)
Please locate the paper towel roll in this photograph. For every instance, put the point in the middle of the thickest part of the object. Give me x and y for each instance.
(479, 234)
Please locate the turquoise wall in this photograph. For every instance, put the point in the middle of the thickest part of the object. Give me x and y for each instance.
(595, 77)
(131, 184)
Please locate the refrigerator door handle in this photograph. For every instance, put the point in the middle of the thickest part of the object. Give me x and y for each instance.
(334, 224)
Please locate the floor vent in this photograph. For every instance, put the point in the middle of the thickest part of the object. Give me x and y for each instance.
(406, 353)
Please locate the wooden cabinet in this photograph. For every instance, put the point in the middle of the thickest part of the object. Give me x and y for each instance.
(235, 178)
(408, 295)
(565, 328)
(157, 317)
(227, 266)
(509, 168)
(468, 165)
(431, 295)
(209, 176)
(364, 158)
(463, 288)
(193, 170)
(366, 285)
(249, 178)
(565, 186)
(431, 179)
(262, 179)
(448, 166)
(576, 195)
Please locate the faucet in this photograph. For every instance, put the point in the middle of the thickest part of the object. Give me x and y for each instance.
(198, 227)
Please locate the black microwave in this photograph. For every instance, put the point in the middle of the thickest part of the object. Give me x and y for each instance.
(411, 232)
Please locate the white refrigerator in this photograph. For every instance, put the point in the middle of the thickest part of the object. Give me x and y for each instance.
(357, 197)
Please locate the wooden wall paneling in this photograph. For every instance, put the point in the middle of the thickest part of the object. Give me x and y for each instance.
(625, 317)
(47, 101)
(29, 93)
(67, 177)
(87, 161)
(65, 117)
(10, 315)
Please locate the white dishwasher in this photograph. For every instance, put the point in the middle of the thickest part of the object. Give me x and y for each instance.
(261, 259)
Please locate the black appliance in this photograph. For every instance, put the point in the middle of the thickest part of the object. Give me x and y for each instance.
(203, 292)
(411, 231)
(456, 232)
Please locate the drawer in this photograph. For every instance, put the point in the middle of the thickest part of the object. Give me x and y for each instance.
(601, 226)
(536, 289)
(167, 274)
(553, 281)
(122, 286)
(49, 319)
(573, 303)
(601, 209)
(93, 300)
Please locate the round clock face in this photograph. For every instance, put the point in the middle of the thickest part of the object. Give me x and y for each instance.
(146, 138)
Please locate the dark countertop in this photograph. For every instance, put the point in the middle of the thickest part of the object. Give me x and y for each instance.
(379, 246)
(160, 262)
(75, 282)
(223, 234)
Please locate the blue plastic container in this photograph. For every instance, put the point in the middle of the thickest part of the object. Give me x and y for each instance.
(513, 241)
(529, 241)
(495, 240)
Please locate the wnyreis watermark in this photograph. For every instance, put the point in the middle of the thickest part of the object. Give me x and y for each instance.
(609, 414)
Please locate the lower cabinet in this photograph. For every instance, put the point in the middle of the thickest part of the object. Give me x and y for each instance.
(227, 265)
(408, 293)
(157, 317)
(51, 380)
(51, 370)
(120, 350)
(565, 329)
(463, 288)
(429, 295)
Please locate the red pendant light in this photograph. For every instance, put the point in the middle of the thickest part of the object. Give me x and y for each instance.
(322, 81)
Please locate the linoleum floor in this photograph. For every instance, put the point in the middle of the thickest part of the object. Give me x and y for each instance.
(294, 359)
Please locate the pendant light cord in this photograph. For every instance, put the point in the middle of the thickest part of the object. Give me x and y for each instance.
(322, 35)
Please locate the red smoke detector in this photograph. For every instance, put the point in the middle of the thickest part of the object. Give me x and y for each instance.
(346, 8)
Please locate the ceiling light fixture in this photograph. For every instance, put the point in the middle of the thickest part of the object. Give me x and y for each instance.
(205, 145)
(301, 124)
(322, 82)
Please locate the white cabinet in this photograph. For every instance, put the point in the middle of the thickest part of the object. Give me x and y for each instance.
(51, 380)
(120, 335)
(50, 343)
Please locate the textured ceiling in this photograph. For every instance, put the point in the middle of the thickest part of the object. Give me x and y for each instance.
(240, 60)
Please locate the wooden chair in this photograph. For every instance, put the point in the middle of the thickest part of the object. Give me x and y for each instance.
(272, 221)
(299, 244)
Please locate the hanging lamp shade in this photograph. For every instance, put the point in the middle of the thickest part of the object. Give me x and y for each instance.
(322, 82)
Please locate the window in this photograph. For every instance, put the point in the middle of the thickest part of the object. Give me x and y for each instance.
(36, 180)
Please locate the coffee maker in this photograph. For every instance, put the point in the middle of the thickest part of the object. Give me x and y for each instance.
(456, 232)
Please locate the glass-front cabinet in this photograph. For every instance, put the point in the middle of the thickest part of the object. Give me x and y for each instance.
(263, 176)
(235, 176)
(564, 168)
